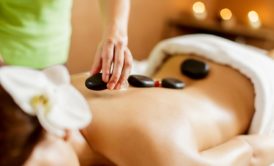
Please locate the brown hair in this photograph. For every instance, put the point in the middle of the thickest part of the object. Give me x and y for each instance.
(19, 132)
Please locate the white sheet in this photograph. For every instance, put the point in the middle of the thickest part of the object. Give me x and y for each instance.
(253, 64)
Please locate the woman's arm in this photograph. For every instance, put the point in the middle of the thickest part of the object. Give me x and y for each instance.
(113, 47)
(249, 150)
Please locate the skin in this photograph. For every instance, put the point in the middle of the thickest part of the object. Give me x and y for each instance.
(199, 125)
(204, 124)
(52, 151)
(75, 152)
(86, 155)
(113, 49)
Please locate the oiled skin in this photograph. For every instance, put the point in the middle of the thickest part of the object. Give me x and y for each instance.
(199, 125)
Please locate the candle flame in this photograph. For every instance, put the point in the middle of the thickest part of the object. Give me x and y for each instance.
(254, 19)
(199, 7)
(226, 14)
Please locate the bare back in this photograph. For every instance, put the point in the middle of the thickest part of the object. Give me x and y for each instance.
(204, 114)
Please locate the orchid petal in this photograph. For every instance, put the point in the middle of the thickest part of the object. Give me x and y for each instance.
(22, 84)
(49, 95)
(58, 74)
(72, 110)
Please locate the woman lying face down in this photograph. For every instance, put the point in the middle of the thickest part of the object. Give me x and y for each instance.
(23, 141)
(203, 124)
(200, 125)
(41, 113)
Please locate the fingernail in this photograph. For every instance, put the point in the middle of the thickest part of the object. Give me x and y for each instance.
(118, 86)
(110, 86)
(125, 85)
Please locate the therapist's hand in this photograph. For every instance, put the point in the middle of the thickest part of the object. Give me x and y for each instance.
(114, 58)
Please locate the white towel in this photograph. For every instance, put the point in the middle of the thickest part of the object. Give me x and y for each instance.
(250, 62)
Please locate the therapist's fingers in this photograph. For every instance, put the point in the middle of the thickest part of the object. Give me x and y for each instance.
(107, 58)
(128, 60)
(117, 66)
(97, 62)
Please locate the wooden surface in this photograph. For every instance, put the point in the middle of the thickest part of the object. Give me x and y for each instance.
(186, 24)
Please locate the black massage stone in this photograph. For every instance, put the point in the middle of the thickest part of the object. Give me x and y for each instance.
(172, 83)
(96, 82)
(194, 69)
(140, 81)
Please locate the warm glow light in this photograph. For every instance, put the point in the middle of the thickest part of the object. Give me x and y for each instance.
(198, 7)
(254, 19)
(253, 16)
(226, 14)
(199, 10)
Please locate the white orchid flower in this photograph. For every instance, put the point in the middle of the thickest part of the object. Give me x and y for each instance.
(48, 95)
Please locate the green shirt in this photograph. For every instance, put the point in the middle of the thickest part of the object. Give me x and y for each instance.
(35, 33)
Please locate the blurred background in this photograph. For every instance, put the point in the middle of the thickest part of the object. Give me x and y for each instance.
(245, 21)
